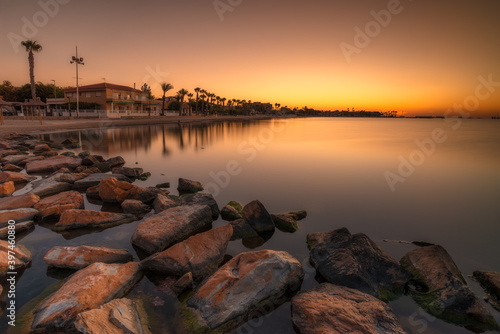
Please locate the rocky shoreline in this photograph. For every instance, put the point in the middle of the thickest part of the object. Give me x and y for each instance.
(175, 239)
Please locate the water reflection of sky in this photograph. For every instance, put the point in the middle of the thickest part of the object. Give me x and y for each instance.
(334, 169)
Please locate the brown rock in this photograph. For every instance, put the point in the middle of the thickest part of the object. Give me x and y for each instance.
(52, 164)
(16, 159)
(247, 281)
(12, 168)
(69, 177)
(18, 215)
(200, 254)
(41, 148)
(442, 290)
(21, 201)
(113, 191)
(183, 284)
(135, 207)
(49, 186)
(255, 214)
(94, 180)
(331, 308)
(15, 177)
(287, 222)
(7, 189)
(202, 199)
(188, 186)
(18, 227)
(119, 316)
(55, 205)
(83, 256)
(490, 281)
(171, 226)
(164, 202)
(22, 257)
(87, 289)
(71, 219)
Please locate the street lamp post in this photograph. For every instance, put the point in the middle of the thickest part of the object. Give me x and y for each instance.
(77, 61)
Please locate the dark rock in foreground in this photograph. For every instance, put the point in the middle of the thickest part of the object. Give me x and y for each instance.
(202, 199)
(183, 284)
(171, 226)
(87, 289)
(332, 308)
(442, 290)
(116, 317)
(490, 281)
(243, 285)
(200, 254)
(357, 262)
(82, 256)
(164, 202)
(72, 219)
(188, 186)
(255, 214)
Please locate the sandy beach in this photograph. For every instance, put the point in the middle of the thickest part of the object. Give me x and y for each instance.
(34, 127)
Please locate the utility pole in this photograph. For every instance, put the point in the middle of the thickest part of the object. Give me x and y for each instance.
(77, 61)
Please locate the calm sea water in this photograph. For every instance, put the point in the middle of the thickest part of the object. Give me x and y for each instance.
(392, 179)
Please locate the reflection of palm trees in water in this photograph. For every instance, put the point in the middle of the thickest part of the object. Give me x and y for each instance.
(166, 151)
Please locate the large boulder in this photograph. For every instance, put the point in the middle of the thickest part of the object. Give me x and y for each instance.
(200, 254)
(83, 256)
(86, 289)
(95, 179)
(53, 206)
(49, 186)
(52, 164)
(171, 226)
(163, 202)
(17, 202)
(442, 291)
(490, 281)
(331, 308)
(113, 191)
(72, 219)
(256, 215)
(22, 258)
(355, 261)
(7, 189)
(116, 317)
(17, 178)
(18, 215)
(187, 186)
(202, 199)
(244, 284)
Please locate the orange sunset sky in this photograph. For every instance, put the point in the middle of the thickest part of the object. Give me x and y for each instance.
(423, 58)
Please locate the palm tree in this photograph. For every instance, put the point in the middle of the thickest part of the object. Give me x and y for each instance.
(32, 46)
(165, 87)
(190, 100)
(203, 96)
(197, 90)
(181, 94)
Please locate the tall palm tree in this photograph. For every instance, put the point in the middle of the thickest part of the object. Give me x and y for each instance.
(32, 46)
(165, 87)
(181, 94)
(197, 90)
(203, 96)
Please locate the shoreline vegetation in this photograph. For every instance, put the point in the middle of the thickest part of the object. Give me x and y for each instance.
(175, 240)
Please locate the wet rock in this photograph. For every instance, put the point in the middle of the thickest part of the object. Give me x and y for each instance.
(53, 206)
(256, 215)
(48, 154)
(113, 191)
(163, 185)
(95, 179)
(164, 202)
(17, 158)
(93, 193)
(52, 164)
(18, 227)
(41, 148)
(243, 230)
(188, 186)
(355, 261)
(490, 281)
(82, 256)
(84, 154)
(7, 189)
(49, 186)
(183, 284)
(91, 160)
(70, 142)
(135, 206)
(200, 254)
(69, 177)
(232, 211)
(242, 285)
(18, 215)
(127, 171)
(287, 222)
(12, 168)
(22, 258)
(17, 178)
(171, 226)
(331, 308)
(87, 289)
(442, 290)
(5, 153)
(20, 201)
(202, 199)
(71, 219)
(144, 176)
(68, 154)
(30, 158)
(115, 161)
(116, 317)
